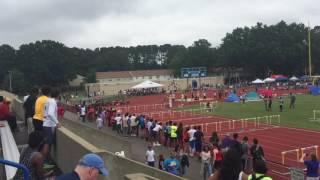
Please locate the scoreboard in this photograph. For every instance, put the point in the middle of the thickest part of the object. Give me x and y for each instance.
(194, 72)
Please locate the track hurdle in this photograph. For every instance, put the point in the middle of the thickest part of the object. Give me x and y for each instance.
(284, 153)
(262, 119)
(194, 125)
(315, 147)
(215, 124)
(274, 118)
(315, 118)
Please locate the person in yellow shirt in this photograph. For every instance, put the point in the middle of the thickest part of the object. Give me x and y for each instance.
(39, 113)
(173, 134)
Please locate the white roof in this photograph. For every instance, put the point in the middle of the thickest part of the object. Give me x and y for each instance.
(266, 80)
(294, 78)
(257, 81)
(147, 84)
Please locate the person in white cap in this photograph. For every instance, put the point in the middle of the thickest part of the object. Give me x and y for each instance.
(88, 168)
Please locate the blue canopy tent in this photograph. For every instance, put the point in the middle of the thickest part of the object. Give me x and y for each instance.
(252, 96)
(315, 90)
(232, 97)
(282, 79)
(304, 78)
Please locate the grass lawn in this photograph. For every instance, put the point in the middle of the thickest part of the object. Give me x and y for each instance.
(298, 117)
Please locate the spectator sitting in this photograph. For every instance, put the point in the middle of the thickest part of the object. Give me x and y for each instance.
(172, 165)
(5, 114)
(88, 168)
(32, 158)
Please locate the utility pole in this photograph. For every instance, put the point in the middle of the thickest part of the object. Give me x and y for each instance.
(10, 81)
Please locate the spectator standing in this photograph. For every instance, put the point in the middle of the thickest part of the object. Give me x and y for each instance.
(256, 151)
(166, 132)
(83, 112)
(29, 106)
(99, 120)
(134, 125)
(313, 166)
(206, 170)
(236, 144)
(40, 108)
(50, 121)
(184, 162)
(156, 133)
(270, 103)
(199, 137)
(150, 156)
(118, 120)
(186, 139)
(173, 134)
(245, 152)
(281, 103)
(292, 101)
(5, 114)
(161, 161)
(230, 167)
(214, 139)
(217, 157)
(192, 139)
(125, 125)
(180, 134)
(226, 143)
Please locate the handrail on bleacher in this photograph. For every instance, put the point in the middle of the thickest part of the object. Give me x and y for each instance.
(9, 148)
(17, 165)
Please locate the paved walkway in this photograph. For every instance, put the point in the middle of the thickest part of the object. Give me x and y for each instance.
(138, 146)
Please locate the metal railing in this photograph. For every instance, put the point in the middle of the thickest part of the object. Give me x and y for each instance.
(19, 166)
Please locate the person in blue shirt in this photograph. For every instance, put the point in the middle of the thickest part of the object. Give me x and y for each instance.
(172, 165)
(312, 166)
(88, 168)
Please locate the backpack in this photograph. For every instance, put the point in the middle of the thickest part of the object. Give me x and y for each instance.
(167, 130)
(153, 126)
(256, 153)
(129, 121)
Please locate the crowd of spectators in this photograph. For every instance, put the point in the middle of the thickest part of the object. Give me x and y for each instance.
(141, 92)
(224, 158)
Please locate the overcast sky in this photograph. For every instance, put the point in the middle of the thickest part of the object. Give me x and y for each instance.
(97, 23)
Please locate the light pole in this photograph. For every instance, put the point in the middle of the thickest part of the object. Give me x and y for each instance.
(309, 51)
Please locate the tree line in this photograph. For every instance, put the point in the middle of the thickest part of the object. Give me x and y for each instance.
(258, 51)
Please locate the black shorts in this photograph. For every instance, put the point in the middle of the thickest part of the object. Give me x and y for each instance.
(38, 124)
(50, 134)
(154, 134)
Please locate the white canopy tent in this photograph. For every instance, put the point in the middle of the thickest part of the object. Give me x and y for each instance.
(147, 84)
(294, 78)
(269, 80)
(257, 81)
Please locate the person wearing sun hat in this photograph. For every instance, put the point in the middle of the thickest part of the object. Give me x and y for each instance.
(88, 168)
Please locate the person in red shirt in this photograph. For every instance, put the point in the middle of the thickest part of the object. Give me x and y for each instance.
(5, 114)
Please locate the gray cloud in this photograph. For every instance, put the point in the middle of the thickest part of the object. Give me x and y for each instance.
(95, 23)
